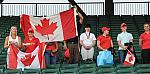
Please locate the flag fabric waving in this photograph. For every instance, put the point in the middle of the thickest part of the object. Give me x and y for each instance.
(57, 27)
(17, 59)
(130, 59)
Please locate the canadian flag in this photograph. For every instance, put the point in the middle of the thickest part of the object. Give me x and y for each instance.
(130, 59)
(57, 27)
(17, 59)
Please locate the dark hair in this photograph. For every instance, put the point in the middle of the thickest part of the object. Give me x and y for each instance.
(146, 23)
(87, 26)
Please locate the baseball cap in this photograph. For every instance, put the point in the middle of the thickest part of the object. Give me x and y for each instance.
(105, 28)
(31, 30)
(123, 24)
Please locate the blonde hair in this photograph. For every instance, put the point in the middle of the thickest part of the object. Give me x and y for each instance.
(11, 29)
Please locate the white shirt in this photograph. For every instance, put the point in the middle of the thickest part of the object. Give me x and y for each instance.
(87, 41)
(16, 40)
(124, 37)
(13, 40)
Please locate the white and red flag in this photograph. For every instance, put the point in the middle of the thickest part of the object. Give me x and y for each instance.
(57, 27)
(130, 59)
(17, 59)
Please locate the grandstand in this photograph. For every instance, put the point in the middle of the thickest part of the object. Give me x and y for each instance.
(135, 18)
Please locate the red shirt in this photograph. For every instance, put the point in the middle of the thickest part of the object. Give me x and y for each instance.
(30, 48)
(105, 42)
(51, 47)
(145, 40)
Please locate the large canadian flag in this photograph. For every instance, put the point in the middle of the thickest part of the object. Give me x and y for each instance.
(17, 59)
(57, 27)
(130, 59)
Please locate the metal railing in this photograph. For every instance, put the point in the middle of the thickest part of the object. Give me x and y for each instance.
(47, 9)
(131, 8)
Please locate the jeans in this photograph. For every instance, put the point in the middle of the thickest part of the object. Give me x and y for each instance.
(50, 59)
(122, 55)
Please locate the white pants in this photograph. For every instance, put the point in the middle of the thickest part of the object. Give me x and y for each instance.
(87, 54)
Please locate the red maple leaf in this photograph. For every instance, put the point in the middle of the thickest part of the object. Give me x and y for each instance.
(46, 29)
(28, 60)
(130, 58)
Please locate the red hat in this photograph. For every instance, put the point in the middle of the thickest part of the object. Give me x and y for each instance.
(30, 30)
(105, 28)
(123, 24)
(67, 54)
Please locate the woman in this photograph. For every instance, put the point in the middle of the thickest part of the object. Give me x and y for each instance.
(12, 39)
(104, 43)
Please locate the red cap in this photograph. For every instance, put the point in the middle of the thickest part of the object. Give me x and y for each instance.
(105, 28)
(123, 24)
(30, 30)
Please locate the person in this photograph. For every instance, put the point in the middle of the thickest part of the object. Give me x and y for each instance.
(13, 38)
(73, 45)
(104, 43)
(30, 43)
(123, 38)
(51, 53)
(87, 40)
(144, 43)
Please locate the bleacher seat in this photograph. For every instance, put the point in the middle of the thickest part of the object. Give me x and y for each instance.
(69, 71)
(106, 69)
(11, 71)
(50, 71)
(32, 71)
(87, 71)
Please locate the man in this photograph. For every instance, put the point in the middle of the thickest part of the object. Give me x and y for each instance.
(144, 43)
(87, 40)
(123, 38)
(73, 45)
(31, 42)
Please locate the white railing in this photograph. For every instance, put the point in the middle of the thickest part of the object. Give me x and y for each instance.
(93, 9)
(51, 9)
(18, 9)
(46, 9)
(131, 8)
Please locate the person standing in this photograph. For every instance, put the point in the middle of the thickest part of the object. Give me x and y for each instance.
(73, 43)
(31, 42)
(144, 43)
(14, 39)
(51, 53)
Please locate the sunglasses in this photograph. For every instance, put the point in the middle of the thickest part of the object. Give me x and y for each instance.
(31, 32)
